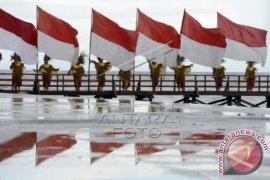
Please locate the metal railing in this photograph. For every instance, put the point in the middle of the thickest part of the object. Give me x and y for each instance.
(202, 83)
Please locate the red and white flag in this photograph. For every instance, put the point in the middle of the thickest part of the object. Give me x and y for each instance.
(243, 42)
(50, 145)
(111, 42)
(201, 45)
(157, 41)
(56, 38)
(18, 36)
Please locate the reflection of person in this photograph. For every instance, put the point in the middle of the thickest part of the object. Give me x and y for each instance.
(101, 69)
(47, 71)
(125, 77)
(77, 71)
(17, 72)
(250, 75)
(156, 71)
(219, 75)
(180, 72)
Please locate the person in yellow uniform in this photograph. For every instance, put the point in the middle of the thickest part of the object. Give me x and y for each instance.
(156, 70)
(180, 71)
(125, 77)
(219, 75)
(17, 72)
(250, 75)
(47, 71)
(101, 68)
(77, 71)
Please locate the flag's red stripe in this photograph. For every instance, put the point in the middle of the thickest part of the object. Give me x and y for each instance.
(252, 37)
(24, 30)
(194, 30)
(56, 28)
(158, 31)
(111, 31)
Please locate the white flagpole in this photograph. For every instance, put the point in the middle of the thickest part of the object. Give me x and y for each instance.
(89, 56)
(36, 82)
(133, 71)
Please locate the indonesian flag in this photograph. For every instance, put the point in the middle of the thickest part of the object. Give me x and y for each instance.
(18, 36)
(56, 38)
(243, 42)
(111, 42)
(48, 146)
(101, 149)
(201, 45)
(13, 142)
(157, 41)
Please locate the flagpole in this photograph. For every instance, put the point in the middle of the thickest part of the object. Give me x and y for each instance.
(89, 56)
(36, 83)
(133, 70)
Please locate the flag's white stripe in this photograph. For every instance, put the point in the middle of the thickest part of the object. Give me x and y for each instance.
(238, 51)
(161, 53)
(199, 53)
(56, 49)
(15, 43)
(116, 54)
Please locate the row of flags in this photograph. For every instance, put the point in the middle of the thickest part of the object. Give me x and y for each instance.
(152, 39)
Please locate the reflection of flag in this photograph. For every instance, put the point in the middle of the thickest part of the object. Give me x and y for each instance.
(101, 149)
(201, 45)
(144, 150)
(18, 36)
(243, 42)
(53, 145)
(157, 40)
(198, 139)
(56, 38)
(111, 42)
(16, 144)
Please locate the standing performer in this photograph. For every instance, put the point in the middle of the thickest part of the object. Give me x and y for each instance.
(47, 71)
(250, 75)
(17, 72)
(219, 75)
(180, 72)
(77, 71)
(101, 69)
(125, 77)
(156, 71)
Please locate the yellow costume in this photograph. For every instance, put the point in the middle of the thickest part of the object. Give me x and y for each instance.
(47, 71)
(250, 77)
(219, 75)
(125, 76)
(156, 71)
(17, 67)
(101, 69)
(181, 71)
(77, 71)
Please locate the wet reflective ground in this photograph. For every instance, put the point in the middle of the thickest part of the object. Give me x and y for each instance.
(56, 137)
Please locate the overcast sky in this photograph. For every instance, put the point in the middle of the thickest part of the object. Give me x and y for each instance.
(78, 14)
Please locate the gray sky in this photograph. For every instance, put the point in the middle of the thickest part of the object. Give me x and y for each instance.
(78, 14)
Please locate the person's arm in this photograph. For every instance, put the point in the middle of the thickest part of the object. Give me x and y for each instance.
(214, 72)
(172, 68)
(92, 61)
(11, 66)
(246, 73)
